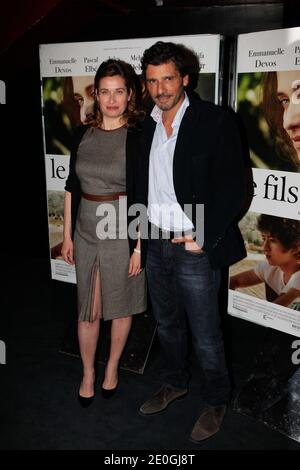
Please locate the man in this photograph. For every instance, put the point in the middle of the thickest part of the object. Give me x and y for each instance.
(191, 157)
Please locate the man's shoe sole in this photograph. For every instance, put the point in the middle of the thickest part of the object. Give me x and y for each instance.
(203, 440)
(164, 409)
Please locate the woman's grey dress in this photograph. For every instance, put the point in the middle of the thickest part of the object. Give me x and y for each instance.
(100, 167)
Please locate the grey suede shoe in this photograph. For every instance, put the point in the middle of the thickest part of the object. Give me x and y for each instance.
(161, 400)
(208, 423)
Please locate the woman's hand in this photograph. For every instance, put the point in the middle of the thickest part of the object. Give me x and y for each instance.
(135, 264)
(67, 251)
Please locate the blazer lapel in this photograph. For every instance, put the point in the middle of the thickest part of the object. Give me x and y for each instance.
(149, 129)
(148, 132)
(184, 149)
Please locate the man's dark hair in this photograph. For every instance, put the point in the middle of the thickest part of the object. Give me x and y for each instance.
(286, 230)
(164, 52)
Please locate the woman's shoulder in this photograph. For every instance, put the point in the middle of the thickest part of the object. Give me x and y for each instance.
(80, 130)
(78, 134)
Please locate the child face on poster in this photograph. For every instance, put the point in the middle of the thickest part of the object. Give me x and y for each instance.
(288, 93)
(276, 254)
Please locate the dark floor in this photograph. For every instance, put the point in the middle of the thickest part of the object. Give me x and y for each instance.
(38, 406)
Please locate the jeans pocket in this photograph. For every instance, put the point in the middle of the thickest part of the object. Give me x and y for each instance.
(194, 252)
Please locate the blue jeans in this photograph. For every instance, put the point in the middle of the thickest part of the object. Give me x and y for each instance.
(184, 288)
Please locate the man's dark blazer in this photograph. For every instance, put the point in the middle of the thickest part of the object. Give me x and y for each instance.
(208, 168)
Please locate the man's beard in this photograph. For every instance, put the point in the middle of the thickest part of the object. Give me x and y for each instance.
(170, 103)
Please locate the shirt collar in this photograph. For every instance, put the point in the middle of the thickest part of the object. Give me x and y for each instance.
(156, 112)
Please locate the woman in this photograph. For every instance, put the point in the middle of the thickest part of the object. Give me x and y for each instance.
(110, 284)
(281, 106)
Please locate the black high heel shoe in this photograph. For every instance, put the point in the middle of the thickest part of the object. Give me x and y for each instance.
(108, 393)
(85, 402)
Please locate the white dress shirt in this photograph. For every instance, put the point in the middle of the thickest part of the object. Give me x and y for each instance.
(163, 208)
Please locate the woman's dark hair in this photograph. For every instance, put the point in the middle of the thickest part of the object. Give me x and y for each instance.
(273, 112)
(286, 230)
(164, 52)
(110, 68)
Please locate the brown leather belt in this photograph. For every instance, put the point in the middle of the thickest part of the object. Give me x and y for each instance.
(103, 197)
